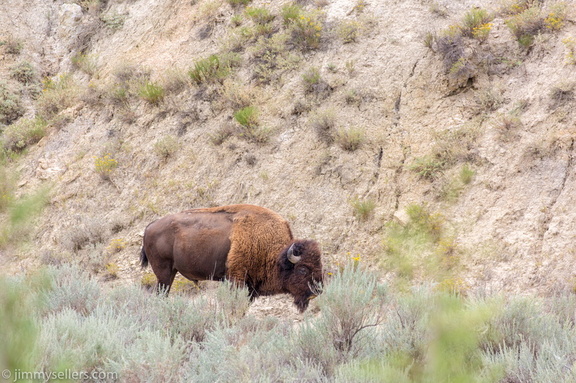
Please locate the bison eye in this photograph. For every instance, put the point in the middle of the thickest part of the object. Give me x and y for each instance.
(302, 271)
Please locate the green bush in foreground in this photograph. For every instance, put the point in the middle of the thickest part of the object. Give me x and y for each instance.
(62, 318)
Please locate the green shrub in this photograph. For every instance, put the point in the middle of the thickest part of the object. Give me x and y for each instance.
(105, 165)
(23, 133)
(113, 21)
(166, 147)
(420, 244)
(215, 68)
(10, 105)
(7, 187)
(58, 94)
(428, 167)
(271, 58)
(19, 330)
(466, 174)
(570, 44)
(311, 79)
(290, 13)
(476, 23)
(247, 117)
(24, 72)
(85, 63)
(151, 93)
(348, 315)
(348, 31)
(259, 15)
(13, 46)
(237, 3)
(305, 29)
(525, 25)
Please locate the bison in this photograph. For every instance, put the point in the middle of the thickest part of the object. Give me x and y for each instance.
(249, 245)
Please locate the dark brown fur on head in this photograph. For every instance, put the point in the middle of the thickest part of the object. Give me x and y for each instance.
(301, 279)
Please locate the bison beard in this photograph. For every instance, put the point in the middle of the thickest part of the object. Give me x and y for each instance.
(249, 245)
(298, 273)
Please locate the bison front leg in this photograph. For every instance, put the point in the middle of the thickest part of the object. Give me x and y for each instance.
(240, 280)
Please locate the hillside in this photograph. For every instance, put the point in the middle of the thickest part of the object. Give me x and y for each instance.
(379, 128)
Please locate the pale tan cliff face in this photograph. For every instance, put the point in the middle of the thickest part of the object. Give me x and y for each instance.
(514, 224)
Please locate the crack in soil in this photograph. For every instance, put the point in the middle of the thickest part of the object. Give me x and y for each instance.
(549, 215)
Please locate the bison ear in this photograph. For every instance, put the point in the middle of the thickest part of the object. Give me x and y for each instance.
(291, 256)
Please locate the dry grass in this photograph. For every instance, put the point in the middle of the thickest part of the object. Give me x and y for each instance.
(350, 139)
(323, 122)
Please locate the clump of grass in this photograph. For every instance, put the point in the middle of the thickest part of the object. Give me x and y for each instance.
(363, 208)
(324, 123)
(221, 134)
(148, 280)
(290, 13)
(348, 31)
(259, 15)
(451, 47)
(350, 139)
(24, 72)
(238, 3)
(525, 25)
(311, 79)
(105, 166)
(166, 147)
(10, 105)
(85, 63)
(507, 126)
(116, 245)
(111, 271)
(184, 286)
(214, 68)
(23, 133)
(570, 44)
(556, 18)
(151, 92)
(489, 99)
(466, 174)
(476, 23)
(58, 94)
(305, 28)
(114, 21)
(237, 95)
(428, 167)
(271, 58)
(175, 80)
(87, 232)
(562, 94)
(247, 117)
(12, 45)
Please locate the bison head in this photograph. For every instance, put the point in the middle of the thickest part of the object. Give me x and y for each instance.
(300, 267)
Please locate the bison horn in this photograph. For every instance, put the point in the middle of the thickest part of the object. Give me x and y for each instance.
(291, 257)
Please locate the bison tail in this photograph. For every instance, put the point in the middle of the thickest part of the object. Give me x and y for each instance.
(143, 258)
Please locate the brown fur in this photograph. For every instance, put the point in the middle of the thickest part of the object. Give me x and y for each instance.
(244, 243)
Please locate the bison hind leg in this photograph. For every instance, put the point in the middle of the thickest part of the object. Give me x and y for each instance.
(165, 279)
